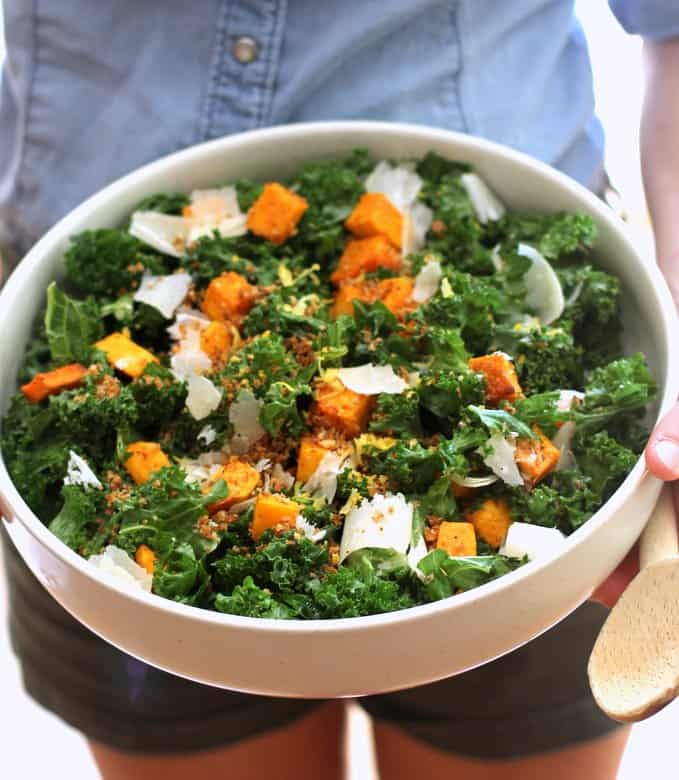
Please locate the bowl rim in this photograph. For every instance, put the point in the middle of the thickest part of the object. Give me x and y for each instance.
(15, 508)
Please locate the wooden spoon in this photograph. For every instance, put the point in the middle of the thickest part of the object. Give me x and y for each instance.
(634, 666)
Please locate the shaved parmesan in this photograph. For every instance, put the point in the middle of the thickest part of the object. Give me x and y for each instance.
(78, 472)
(487, 205)
(535, 541)
(369, 379)
(427, 281)
(163, 232)
(496, 259)
(417, 221)
(568, 398)
(323, 482)
(310, 531)
(116, 564)
(244, 416)
(474, 482)
(164, 293)
(544, 293)
(384, 521)
(206, 466)
(203, 397)
(207, 435)
(416, 553)
(563, 440)
(501, 460)
(281, 475)
(188, 358)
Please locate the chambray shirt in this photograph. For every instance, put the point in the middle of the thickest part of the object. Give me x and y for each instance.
(91, 90)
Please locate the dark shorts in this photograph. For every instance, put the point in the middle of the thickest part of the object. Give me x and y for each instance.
(533, 700)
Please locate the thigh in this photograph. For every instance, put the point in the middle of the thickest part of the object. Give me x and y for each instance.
(307, 749)
(116, 700)
(532, 701)
(402, 756)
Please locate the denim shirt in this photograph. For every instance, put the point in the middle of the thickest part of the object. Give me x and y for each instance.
(92, 90)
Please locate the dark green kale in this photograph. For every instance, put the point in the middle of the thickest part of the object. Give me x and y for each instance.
(542, 409)
(71, 326)
(160, 398)
(278, 313)
(447, 575)
(80, 517)
(433, 168)
(605, 462)
(397, 415)
(108, 262)
(409, 466)
(446, 393)
(558, 237)
(247, 192)
(163, 202)
(350, 481)
(547, 358)
(332, 343)
(250, 600)
(500, 421)
(281, 410)
(379, 337)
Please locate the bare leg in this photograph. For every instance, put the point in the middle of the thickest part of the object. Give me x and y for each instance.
(308, 749)
(400, 756)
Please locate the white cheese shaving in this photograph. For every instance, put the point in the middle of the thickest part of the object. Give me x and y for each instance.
(207, 435)
(116, 564)
(501, 460)
(416, 223)
(568, 399)
(416, 553)
(163, 293)
(383, 521)
(244, 416)
(281, 475)
(203, 397)
(323, 482)
(369, 379)
(163, 232)
(206, 466)
(78, 472)
(535, 541)
(563, 440)
(310, 531)
(487, 205)
(496, 258)
(474, 482)
(544, 294)
(427, 281)
(188, 359)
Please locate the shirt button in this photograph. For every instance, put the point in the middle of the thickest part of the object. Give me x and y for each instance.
(245, 49)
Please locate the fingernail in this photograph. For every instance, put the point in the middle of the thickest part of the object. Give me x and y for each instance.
(667, 452)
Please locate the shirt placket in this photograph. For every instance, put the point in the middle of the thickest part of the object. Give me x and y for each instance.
(245, 66)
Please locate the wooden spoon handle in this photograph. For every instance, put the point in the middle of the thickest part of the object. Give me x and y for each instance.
(659, 539)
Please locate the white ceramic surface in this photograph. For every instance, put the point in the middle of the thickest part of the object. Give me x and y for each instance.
(360, 655)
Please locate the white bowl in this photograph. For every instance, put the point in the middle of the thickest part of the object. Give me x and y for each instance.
(358, 655)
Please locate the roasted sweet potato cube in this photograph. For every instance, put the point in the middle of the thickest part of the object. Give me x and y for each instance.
(376, 215)
(146, 457)
(364, 256)
(311, 453)
(536, 457)
(272, 510)
(502, 383)
(276, 213)
(216, 340)
(457, 538)
(125, 355)
(241, 478)
(146, 558)
(340, 407)
(229, 298)
(53, 382)
(491, 521)
(395, 294)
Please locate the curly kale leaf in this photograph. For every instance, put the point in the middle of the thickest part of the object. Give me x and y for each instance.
(332, 343)
(277, 313)
(379, 337)
(249, 600)
(80, 516)
(163, 202)
(500, 421)
(447, 575)
(547, 358)
(446, 393)
(397, 415)
(281, 410)
(108, 261)
(71, 326)
(605, 461)
(159, 397)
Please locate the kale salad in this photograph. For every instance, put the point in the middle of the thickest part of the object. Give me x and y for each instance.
(362, 389)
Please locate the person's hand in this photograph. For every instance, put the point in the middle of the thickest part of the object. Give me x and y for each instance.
(662, 460)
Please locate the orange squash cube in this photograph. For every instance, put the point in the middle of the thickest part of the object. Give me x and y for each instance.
(456, 539)
(536, 457)
(228, 297)
(53, 382)
(126, 355)
(502, 383)
(272, 510)
(491, 521)
(376, 215)
(276, 213)
(364, 256)
(311, 453)
(395, 294)
(341, 408)
(216, 341)
(146, 558)
(241, 478)
(146, 457)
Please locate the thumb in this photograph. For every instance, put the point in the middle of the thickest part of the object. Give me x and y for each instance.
(662, 450)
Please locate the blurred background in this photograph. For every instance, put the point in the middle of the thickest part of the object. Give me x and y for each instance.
(61, 752)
